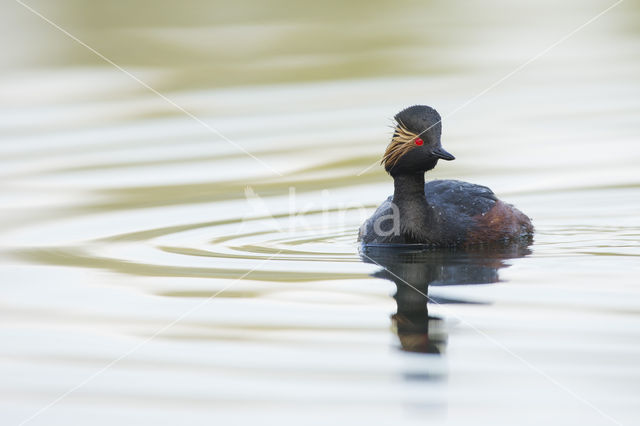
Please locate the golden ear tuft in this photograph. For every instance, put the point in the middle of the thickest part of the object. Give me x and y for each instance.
(401, 143)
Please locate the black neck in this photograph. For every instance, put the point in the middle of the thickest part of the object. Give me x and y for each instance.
(414, 211)
(409, 187)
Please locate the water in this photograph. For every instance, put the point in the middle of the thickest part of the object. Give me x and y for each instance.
(152, 272)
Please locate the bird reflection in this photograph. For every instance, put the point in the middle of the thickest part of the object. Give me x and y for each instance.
(414, 268)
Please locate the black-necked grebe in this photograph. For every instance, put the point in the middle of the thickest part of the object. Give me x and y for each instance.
(441, 213)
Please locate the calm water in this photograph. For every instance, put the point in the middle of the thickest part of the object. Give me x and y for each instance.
(154, 272)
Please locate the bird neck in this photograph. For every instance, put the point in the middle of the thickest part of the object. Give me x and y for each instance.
(408, 188)
(415, 213)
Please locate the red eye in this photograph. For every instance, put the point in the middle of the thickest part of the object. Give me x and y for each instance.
(419, 141)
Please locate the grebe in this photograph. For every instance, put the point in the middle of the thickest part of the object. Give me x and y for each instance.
(440, 213)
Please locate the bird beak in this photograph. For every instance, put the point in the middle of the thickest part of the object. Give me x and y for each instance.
(441, 153)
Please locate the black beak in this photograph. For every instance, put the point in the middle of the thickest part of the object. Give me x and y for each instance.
(441, 153)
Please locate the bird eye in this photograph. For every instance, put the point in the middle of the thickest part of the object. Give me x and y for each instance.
(419, 141)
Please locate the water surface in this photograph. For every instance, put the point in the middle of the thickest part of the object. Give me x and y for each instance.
(152, 272)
